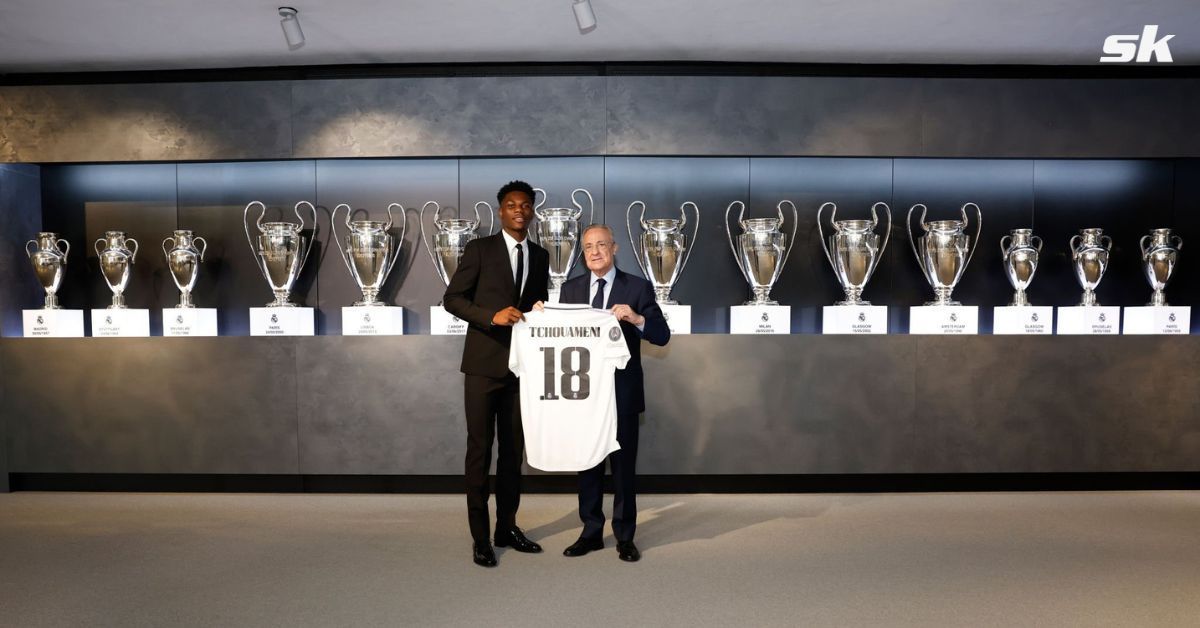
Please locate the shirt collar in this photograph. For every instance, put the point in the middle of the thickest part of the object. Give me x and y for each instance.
(608, 277)
(511, 241)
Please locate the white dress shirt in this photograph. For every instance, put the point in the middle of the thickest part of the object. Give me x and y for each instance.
(512, 245)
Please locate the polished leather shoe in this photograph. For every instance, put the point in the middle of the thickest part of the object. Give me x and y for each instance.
(517, 540)
(628, 552)
(484, 555)
(583, 546)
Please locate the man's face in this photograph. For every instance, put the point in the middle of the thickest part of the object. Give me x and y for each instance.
(516, 212)
(599, 250)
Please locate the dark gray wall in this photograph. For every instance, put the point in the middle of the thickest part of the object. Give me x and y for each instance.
(718, 404)
(20, 220)
(597, 115)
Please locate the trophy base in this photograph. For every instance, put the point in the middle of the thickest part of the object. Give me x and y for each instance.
(291, 320)
(1159, 320)
(943, 304)
(679, 318)
(372, 320)
(944, 320)
(760, 319)
(189, 321)
(182, 306)
(1023, 320)
(1158, 299)
(51, 302)
(767, 302)
(185, 301)
(118, 302)
(853, 318)
(443, 323)
(120, 322)
(1089, 299)
(1088, 320)
(1020, 299)
(53, 323)
(849, 303)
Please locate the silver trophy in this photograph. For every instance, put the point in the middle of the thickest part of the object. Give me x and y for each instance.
(762, 249)
(665, 249)
(1159, 257)
(558, 230)
(1089, 251)
(1020, 257)
(451, 237)
(279, 249)
(854, 249)
(183, 258)
(48, 261)
(116, 260)
(944, 251)
(368, 250)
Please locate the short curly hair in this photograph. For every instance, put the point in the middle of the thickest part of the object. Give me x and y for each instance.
(514, 186)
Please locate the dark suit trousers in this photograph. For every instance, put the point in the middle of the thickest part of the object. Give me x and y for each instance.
(493, 408)
(624, 469)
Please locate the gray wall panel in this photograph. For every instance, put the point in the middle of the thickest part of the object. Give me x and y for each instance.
(145, 122)
(415, 117)
(20, 220)
(709, 115)
(154, 405)
(381, 405)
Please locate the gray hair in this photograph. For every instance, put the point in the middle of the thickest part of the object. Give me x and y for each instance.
(599, 225)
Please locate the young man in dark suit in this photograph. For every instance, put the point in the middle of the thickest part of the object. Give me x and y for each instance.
(631, 300)
(498, 279)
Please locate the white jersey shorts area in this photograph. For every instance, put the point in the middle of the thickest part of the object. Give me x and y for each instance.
(566, 357)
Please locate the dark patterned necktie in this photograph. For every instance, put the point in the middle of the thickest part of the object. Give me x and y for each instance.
(598, 300)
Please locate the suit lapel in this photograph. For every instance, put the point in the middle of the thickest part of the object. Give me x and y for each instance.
(617, 294)
(502, 251)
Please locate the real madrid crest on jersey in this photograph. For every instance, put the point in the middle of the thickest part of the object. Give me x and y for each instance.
(615, 333)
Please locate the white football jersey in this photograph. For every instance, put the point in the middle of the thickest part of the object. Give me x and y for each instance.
(566, 357)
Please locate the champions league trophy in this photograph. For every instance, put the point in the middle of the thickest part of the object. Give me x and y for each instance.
(761, 250)
(280, 252)
(183, 258)
(1158, 260)
(116, 258)
(664, 249)
(944, 252)
(48, 261)
(367, 252)
(451, 237)
(558, 230)
(1020, 257)
(854, 249)
(1090, 250)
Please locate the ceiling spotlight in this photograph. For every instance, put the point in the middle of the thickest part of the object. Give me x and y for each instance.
(584, 16)
(291, 27)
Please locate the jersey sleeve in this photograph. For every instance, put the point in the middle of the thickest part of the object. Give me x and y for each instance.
(514, 348)
(615, 349)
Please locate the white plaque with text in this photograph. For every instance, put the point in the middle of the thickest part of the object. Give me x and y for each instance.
(443, 323)
(384, 320)
(1160, 320)
(53, 323)
(1092, 320)
(679, 318)
(854, 319)
(282, 321)
(121, 323)
(189, 321)
(760, 319)
(943, 320)
(1024, 320)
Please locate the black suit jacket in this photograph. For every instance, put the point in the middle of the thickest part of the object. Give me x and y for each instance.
(638, 294)
(482, 286)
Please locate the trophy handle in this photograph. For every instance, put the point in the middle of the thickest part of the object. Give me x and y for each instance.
(333, 230)
(424, 235)
(637, 253)
(537, 205)
(687, 254)
(912, 240)
(204, 248)
(729, 234)
(1178, 242)
(978, 230)
(246, 221)
(29, 253)
(388, 226)
(308, 251)
(1107, 247)
(821, 230)
(403, 230)
(96, 245)
(887, 235)
(1074, 253)
(491, 214)
(795, 228)
(591, 216)
(167, 251)
(132, 256)
(1142, 245)
(1038, 244)
(1003, 248)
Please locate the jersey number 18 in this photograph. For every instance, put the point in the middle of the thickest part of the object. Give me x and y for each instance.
(575, 383)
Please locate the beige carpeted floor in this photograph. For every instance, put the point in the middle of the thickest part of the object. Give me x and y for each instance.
(999, 559)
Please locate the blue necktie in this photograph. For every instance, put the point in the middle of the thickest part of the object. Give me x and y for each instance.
(598, 300)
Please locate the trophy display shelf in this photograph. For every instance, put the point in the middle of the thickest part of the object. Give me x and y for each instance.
(1160, 320)
(1023, 320)
(189, 321)
(282, 321)
(443, 323)
(760, 319)
(53, 323)
(679, 317)
(1088, 320)
(373, 320)
(114, 322)
(854, 319)
(943, 320)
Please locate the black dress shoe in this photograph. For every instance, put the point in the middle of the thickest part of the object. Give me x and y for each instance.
(484, 556)
(628, 552)
(583, 546)
(517, 540)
